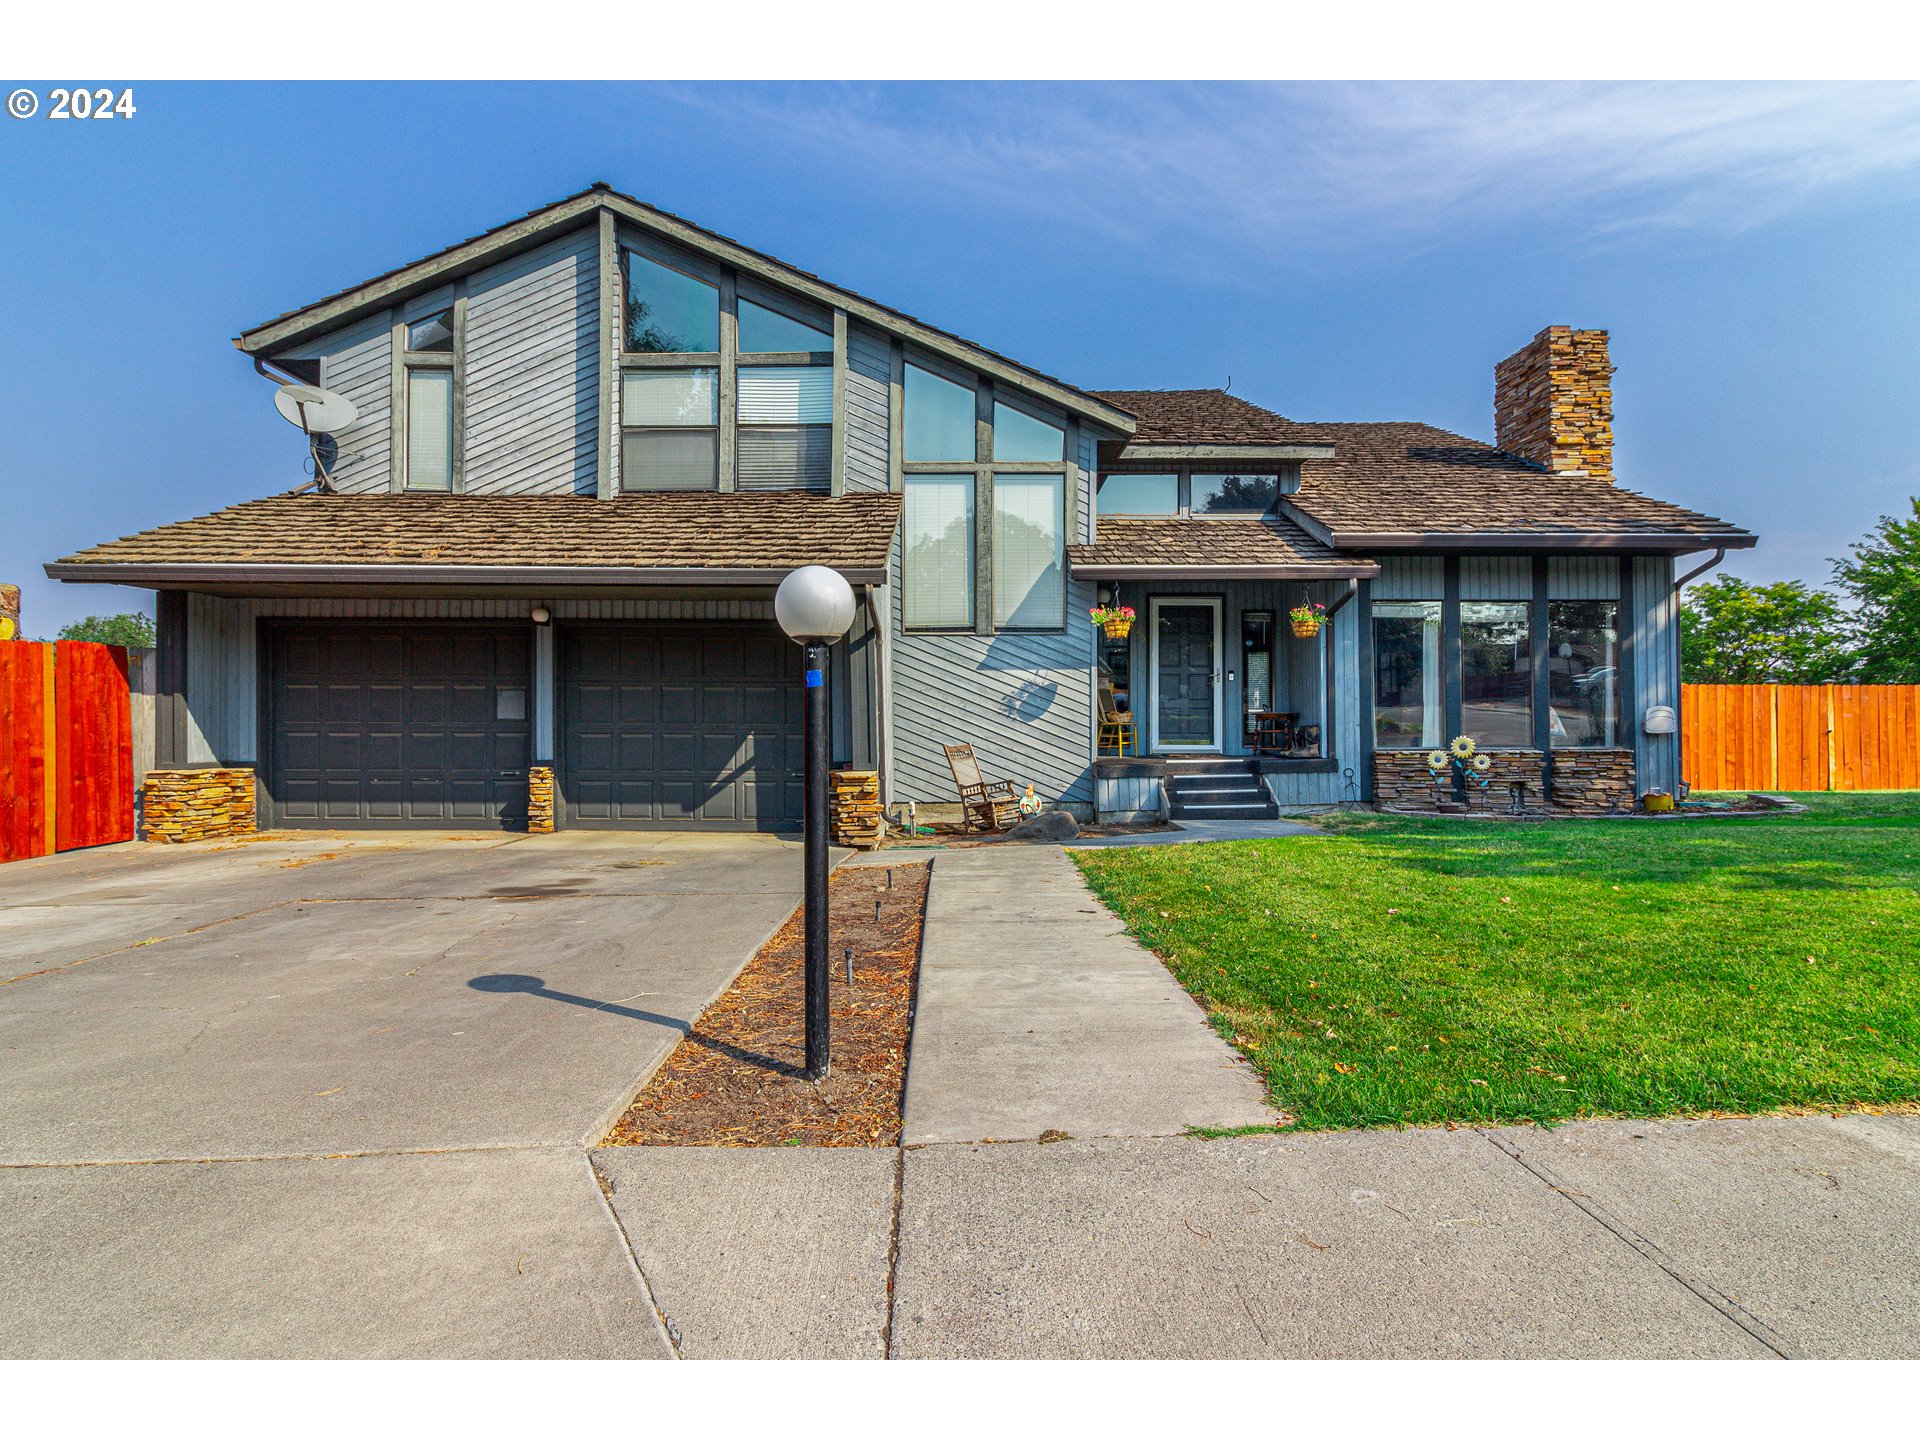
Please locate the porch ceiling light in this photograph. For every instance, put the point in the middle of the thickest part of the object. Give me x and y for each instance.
(814, 604)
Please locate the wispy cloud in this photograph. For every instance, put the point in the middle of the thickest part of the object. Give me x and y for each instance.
(1306, 167)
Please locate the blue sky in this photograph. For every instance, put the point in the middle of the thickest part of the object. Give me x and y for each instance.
(1341, 251)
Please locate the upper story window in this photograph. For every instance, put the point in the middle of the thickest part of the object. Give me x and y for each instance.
(987, 514)
(766, 331)
(669, 311)
(1185, 493)
(1234, 494)
(1139, 495)
(432, 335)
(785, 435)
(669, 437)
(430, 362)
(939, 419)
(1019, 436)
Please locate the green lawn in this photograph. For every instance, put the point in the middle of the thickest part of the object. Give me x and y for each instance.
(1406, 971)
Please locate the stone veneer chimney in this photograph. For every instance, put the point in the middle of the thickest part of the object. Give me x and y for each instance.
(1553, 402)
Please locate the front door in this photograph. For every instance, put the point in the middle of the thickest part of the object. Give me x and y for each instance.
(1186, 673)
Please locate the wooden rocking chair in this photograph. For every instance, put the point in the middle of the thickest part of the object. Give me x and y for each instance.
(993, 804)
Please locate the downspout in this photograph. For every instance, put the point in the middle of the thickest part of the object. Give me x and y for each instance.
(321, 480)
(879, 689)
(1679, 691)
(1700, 569)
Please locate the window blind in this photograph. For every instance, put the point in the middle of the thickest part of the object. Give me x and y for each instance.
(938, 564)
(668, 459)
(786, 394)
(790, 457)
(1029, 514)
(430, 429)
(670, 397)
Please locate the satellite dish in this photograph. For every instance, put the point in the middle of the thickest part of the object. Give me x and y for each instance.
(316, 411)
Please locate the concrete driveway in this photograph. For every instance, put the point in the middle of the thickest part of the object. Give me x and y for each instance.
(367, 1066)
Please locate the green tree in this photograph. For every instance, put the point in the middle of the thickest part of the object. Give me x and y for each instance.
(1733, 633)
(1882, 577)
(128, 628)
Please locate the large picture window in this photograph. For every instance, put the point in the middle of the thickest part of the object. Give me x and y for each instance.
(669, 429)
(1583, 672)
(1496, 674)
(1408, 691)
(1029, 582)
(937, 566)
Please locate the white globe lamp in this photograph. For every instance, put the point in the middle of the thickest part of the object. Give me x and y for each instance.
(814, 604)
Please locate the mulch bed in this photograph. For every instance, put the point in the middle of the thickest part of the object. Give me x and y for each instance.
(735, 1079)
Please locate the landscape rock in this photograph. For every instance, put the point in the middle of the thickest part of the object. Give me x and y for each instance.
(1047, 825)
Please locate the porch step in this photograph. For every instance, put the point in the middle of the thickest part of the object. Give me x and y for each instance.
(1217, 789)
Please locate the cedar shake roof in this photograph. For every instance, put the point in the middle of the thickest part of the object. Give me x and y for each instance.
(1272, 546)
(1402, 482)
(707, 535)
(1208, 417)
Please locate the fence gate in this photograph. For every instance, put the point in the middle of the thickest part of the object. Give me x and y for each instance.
(66, 747)
(1800, 737)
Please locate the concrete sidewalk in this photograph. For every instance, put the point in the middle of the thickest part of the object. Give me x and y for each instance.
(1038, 1013)
(1755, 1238)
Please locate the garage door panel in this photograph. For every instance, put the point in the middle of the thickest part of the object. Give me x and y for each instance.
(706, 719)
(386, 725)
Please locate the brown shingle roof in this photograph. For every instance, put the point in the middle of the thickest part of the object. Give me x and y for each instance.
(1208, 417)
(1406, 479)
(1273, 545)
(698, 532)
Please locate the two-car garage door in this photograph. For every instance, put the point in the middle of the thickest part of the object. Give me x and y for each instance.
(400, 725)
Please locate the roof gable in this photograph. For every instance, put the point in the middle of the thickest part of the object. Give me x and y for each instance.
(586, 208)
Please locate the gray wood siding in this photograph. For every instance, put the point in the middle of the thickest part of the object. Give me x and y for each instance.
(1496, 577)
(1024, 702)
(1409, 577)
(1583, 577)
(868, 363)
(1654, 618)
(222, 667)
(358, 362)
(533, 371)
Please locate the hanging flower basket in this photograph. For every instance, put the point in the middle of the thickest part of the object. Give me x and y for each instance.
(1307, 618)
(1116, 620)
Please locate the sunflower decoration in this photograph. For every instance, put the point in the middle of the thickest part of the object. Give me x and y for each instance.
(1462, 747)
(1436, 760)
(1483, 763)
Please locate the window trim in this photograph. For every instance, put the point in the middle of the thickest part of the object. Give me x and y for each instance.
(403, 362)
(1061, 537)
(1286, 475)
(728, 360)
(985, 390)
(973, 544)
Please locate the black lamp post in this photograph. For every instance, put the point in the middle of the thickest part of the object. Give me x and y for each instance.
(814, 605)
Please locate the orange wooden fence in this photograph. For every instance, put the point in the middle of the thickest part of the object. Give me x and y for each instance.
(66, 747)
(1800, 737)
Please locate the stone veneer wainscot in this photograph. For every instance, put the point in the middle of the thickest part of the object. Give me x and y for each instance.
(1585, 782)
(179, 806)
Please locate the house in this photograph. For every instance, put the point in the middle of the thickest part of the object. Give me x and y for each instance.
(533, 586)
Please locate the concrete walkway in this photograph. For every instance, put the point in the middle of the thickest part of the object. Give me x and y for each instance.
(1038, 1013)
